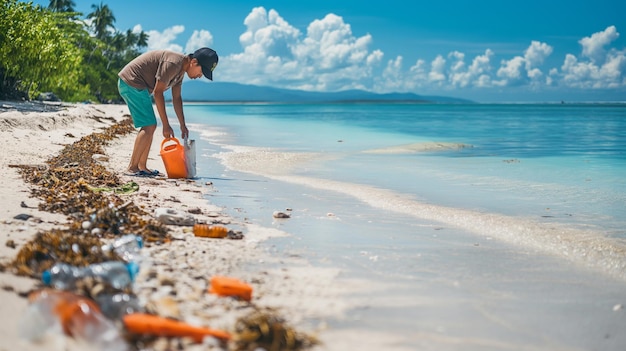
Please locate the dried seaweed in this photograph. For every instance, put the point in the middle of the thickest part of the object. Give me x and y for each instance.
(58, 245)
(266, 330)
(65, 186)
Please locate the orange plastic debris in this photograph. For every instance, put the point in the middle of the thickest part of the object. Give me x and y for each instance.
(227, 286)
(141, 323)
(210, 231)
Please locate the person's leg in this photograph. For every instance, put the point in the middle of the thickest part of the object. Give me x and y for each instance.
(141, 150)
(140, 106)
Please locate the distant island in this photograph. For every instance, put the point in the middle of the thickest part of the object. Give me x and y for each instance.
(195, 91)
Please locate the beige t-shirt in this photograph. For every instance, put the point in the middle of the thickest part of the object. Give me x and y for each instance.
(144, 71)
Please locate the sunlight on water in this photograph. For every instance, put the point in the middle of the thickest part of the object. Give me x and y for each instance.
(588, 248)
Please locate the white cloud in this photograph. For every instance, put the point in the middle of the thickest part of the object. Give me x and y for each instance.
(581, 74)
(597, 68)
(475, 75)
(593, 46)
(536, 53)
(437, 70)
(164, 40)
(521, 70)
(327, 57)
(393, 76)
(510, 72)
(199, 39)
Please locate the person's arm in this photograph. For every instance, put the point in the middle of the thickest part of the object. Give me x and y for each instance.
(177, 101)
(159, 100)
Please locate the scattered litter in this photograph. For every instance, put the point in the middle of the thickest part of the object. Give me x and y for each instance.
(173, 216)
(100, 157)
(23, 216)
(227, 286)
(210, 231)
(141, 323)
(280, 214)
(66, 185)
(10, 243)
(127, 188)
(77, 315)
(195, 210)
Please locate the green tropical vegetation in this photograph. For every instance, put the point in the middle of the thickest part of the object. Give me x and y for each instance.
(56, 49)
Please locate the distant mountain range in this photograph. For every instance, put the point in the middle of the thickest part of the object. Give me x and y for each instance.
(234, 92)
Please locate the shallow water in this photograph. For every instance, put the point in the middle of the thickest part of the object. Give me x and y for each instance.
(514, 241)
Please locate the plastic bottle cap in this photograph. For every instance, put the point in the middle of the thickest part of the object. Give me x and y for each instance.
(140, 242)
(133, 269)
(46, 277)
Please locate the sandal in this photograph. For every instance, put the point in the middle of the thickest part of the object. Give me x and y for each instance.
(141, 173)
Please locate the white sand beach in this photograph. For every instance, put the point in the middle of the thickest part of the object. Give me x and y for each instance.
(173, 276)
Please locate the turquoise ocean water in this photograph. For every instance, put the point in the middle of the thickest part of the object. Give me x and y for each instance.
(478, 226)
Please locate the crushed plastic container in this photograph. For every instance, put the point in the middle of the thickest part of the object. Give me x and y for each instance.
(59, 311)
(173, 155)
(127, 247)
(172, 216)
(227, 286)
(116, 306)
(117, 274)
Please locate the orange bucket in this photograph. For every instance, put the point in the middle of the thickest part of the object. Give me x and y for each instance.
(173, 155)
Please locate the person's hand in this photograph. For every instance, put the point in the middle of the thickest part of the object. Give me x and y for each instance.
(168, 132)
(184, 131)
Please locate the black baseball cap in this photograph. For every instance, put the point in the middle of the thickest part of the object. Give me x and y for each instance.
(207, 58)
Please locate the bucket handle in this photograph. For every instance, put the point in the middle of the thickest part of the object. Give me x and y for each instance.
(168, 140)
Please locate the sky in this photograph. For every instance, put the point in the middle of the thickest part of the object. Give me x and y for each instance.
(486, 50)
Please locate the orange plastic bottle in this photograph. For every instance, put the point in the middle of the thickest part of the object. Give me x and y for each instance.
(77, 315)
(209, 231)
(227, 286)
(146, 324)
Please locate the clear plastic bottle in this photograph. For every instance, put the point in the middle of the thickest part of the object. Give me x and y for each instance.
(116, 306)
(118, 275)
(127, 247)
(74, 315)
(210, 231)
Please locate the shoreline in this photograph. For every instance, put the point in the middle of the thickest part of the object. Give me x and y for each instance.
(174, 277)
(437, 287)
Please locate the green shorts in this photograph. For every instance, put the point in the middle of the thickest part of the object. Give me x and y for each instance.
(139, 103)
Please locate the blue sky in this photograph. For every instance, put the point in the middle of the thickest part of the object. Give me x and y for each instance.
(487, 51)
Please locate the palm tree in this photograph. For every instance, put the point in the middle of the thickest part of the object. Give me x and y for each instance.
(103, 18)
(61, 6)
(131, 39)
(142, 40)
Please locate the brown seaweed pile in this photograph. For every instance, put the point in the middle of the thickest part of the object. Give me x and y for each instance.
(70, 184)
(264, 329)
(66, 185)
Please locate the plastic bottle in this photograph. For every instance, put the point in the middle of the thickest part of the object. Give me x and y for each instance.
(146, 324)
(116, 306)
(227, 286)
(116, 274)
(210, 231)
(74, 315)
(127, 247)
